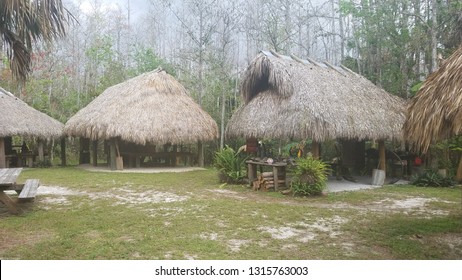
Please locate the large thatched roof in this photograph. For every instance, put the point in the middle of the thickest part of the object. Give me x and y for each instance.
(435, 113)
(19, 119)
(287, 97)
(152, 107)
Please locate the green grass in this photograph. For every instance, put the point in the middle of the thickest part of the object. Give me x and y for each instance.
(191, 215)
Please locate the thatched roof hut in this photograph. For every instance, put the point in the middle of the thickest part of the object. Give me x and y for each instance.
(19, 119)
(287, 97)
(150, 108)
(435, 113)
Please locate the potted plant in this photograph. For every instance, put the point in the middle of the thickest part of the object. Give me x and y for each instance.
(442, 158)
(443, 165)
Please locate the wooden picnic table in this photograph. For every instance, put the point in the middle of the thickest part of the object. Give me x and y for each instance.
(26, 191)
(8, 178)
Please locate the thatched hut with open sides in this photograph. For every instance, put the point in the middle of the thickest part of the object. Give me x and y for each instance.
(19, 119)
(141, 113)
(288, 97)
(435, 113)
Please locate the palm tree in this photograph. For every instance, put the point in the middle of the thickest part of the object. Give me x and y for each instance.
(23, 22)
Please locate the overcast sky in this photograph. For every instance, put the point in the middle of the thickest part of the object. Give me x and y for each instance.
(137, 7)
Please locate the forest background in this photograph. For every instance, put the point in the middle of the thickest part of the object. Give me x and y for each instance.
(207, 44)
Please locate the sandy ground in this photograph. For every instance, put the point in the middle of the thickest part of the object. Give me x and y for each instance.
(302, 231)
(362, 183)
(141, 169)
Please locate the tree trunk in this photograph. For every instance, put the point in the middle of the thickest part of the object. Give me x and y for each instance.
(222, 126)
(434, 42)
(333, 58)
(200, 146)
(342, 35)
(459, 171)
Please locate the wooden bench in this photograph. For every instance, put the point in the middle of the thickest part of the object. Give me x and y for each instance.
(29, 190)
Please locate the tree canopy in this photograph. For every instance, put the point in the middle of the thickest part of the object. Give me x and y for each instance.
(207, 44)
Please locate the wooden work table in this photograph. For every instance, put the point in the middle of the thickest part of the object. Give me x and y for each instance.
(279, 170)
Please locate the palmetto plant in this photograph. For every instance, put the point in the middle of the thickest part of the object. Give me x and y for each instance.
(310, 177)
(231, 165)
(432, 179)
(23, 22)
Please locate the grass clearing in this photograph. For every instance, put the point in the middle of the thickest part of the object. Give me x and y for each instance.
(96, 215)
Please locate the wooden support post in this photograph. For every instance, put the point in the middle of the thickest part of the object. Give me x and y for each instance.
(40, 151)
(112, 154)
(200, 156)
(94, 151)
(251, 172)
(382, 157)
(275, 177)
(9, 203)
(119, 159)
(316, 150)
(63, 152)
(2, 153)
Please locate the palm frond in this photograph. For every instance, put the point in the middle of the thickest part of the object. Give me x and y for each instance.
(435, 113)
(22, 22)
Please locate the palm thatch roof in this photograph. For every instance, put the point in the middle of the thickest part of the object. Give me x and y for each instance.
(288, 97)
(19, 119)
(435, 113)
(150, 108)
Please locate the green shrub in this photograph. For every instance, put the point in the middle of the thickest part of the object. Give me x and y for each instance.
(231, 165)
(46, 163)
(310, 177)
(431, 178)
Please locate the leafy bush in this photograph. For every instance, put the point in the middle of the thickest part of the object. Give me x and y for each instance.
(231, 165)
(46, 163)
(310, 177)
(431, 178)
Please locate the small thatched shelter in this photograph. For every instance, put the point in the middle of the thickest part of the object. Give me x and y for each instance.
(152, 108)
(435, 113)
(19, 119)
(288, 97)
